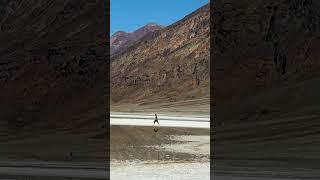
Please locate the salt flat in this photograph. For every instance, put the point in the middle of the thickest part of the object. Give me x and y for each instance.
(165, 120)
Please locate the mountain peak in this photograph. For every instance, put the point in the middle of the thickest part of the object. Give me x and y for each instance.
(152, 24)
(122, 39)
(119, 33)
(150, 27)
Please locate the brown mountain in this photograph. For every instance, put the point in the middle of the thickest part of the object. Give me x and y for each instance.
(117, 40)
(266, 66)
(169, 65)
(120, 39)
(267, 51)
(52, 65)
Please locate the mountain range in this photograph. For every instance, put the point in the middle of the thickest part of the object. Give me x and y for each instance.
(164, 65)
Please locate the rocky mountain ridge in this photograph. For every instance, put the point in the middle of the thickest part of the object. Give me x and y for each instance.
(120, 39)
(168, 65)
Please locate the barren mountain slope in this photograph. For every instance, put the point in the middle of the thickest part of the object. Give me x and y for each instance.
(267, 51)
(165, 66)
(52, 65)
(118, 39)
(266, 61)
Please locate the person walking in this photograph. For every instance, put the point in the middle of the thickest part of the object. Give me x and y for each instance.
(156, 120)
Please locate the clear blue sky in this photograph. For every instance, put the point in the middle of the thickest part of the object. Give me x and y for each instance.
(129, 15)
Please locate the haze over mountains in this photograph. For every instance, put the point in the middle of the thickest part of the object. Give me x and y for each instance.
(168, 64)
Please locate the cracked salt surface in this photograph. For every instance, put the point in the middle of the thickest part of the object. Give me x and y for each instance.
(159, 170)
(143, 170)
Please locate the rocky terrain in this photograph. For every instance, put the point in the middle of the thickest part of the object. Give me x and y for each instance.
(168, 65)
(120, 39)
(263, 47)
(53, 70)
(266, 83)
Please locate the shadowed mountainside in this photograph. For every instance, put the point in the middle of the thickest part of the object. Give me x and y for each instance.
(168, 65)
(268, 54)
(266, 63)
(52, 65)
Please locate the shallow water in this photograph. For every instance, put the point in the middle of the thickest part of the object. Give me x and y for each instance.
(199, 145)
(196, 166)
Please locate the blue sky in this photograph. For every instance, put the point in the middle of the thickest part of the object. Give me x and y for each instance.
(129, 15)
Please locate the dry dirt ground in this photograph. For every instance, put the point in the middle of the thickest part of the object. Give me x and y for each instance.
(280, 147)
(274, 132)
(194, 106)
(41, 178)
(85, 147)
